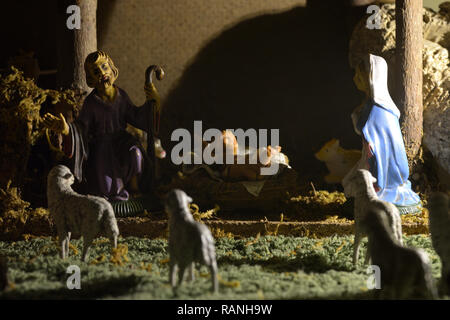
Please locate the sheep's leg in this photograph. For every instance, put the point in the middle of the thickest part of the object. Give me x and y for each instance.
(433, 293)
(428, 288)
(399, 232)
(113, 240)
(404, 284)
(400, 238)
(65, 251)
(356, 244)
(215, 280)
(368, 258)
(181, 274)
(192, 272)
(68, 243)
(62, 238)
(172, 273)
(87, 244)
(428, 285)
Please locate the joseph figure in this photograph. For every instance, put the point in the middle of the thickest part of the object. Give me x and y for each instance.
(106, 159)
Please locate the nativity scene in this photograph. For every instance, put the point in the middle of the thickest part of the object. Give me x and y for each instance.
(271, 154)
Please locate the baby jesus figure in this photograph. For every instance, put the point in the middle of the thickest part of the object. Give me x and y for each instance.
(255, 160)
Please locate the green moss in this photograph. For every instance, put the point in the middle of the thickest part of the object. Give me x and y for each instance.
(272, 267)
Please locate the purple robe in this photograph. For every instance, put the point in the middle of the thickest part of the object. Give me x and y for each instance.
(112, 155)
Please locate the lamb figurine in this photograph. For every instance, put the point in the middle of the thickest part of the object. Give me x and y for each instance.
(189, 241)
(405, 272)
(359, 184)
(86, 215)
(338, 160)
(439, 222)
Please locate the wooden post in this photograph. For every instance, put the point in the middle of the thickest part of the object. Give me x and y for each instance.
(74, 45)
(409, 45)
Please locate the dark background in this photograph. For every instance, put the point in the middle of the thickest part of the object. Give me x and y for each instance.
(285, 70)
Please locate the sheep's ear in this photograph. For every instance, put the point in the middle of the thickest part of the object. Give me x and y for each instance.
(189, 199)
(348, 184)
(374, 179)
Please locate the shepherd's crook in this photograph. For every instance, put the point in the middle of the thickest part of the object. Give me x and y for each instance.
(148, 80)
(153, 125)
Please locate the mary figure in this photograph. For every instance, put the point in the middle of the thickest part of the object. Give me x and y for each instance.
(377, 121)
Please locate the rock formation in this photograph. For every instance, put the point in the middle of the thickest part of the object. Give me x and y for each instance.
(436, 72)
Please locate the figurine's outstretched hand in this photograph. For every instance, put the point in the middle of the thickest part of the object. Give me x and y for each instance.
(152, 94)
(56, 124)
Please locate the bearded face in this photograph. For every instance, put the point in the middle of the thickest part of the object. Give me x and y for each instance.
(101, 73)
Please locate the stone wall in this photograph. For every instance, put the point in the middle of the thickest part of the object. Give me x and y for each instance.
(138, 33)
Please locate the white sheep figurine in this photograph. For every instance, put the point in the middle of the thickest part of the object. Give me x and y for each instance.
(86, 215)
(189, 241)
(359, 184)
(439, 222)
(404, 272)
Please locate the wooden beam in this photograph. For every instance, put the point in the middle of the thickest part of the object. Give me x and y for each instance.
(409, 46)
(74, 45)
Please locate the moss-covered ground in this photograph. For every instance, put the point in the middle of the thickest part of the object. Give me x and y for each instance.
(270, 267)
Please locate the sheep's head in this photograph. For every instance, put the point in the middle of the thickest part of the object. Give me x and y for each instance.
(328, 151)
(358, 181)
(177, 203)
(61, 175)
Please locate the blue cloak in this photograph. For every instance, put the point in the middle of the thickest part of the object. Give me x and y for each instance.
(389, 165)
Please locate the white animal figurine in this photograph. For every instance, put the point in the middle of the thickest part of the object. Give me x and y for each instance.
(404, 272)
(87, 215)
(189, 241)
(359, 184)
(439, 222)
(338, 160)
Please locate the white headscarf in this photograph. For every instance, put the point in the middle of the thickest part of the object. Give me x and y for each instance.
(379, 84)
